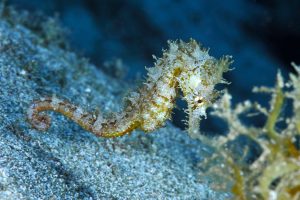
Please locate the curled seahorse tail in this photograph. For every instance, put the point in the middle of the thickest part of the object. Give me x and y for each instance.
(42, 122)
(117, 126)
(39, 121)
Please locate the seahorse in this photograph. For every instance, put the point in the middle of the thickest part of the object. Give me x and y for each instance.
(184, 65)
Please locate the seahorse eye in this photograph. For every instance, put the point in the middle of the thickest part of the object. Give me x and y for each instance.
(199, 101)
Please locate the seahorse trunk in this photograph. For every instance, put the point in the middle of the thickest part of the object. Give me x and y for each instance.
(158, 100)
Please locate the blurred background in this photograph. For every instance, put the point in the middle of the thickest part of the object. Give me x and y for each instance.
(262, 36)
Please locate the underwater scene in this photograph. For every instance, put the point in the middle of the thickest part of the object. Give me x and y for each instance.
(145, 99)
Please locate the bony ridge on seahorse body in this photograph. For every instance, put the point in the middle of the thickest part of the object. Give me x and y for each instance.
(185, 65)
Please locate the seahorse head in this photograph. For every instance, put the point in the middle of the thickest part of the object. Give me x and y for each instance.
(199, 74)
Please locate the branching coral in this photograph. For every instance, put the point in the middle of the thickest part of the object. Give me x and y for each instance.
(184, 65)
(275, 172)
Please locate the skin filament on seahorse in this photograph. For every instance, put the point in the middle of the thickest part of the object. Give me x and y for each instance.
(185, 65)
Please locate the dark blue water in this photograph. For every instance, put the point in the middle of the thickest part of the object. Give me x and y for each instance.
(262, 36)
